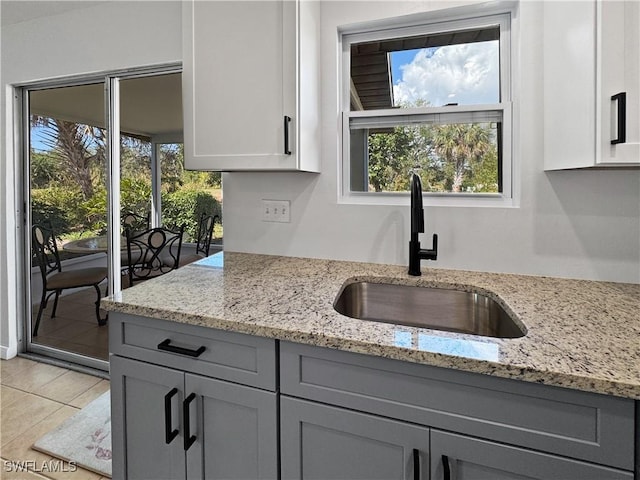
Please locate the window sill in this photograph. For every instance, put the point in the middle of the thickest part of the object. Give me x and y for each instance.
(489, 200)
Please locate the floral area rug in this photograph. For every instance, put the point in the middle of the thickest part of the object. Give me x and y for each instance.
(84, 438)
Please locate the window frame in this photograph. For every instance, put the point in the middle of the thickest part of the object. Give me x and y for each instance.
(502, 15)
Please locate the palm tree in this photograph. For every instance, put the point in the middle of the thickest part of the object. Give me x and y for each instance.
(77, 147)
(460, 146)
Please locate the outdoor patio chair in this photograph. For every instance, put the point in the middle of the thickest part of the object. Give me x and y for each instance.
(45, 250)
(203, 239)
(152, 253)
(136, 223)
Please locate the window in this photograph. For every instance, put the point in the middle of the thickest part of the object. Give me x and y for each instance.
(434, 98)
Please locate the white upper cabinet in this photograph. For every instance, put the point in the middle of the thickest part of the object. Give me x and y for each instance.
(250, 85)
(591, 84)
(618, 92)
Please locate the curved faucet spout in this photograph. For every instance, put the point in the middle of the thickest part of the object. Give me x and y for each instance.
(417, 212)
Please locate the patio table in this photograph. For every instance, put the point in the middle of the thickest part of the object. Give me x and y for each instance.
(92, 245)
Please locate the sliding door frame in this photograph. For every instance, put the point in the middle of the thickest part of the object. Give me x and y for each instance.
(111, 82)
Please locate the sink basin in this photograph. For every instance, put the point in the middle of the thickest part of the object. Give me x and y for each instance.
(435, 308)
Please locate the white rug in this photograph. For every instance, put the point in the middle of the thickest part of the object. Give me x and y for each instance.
(84, 438)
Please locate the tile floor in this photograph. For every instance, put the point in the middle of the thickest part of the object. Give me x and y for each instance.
(34, 399)
(74, 327)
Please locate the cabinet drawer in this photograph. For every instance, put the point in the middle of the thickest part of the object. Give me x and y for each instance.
(582, 425)
(228, 356)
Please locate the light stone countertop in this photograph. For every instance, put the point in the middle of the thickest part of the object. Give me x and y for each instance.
(581, 334)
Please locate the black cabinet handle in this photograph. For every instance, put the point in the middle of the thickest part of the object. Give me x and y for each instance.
(416, 464)
(446, 467)
(167, 347)
(186, 417)
(621, 99)
(169, 434)
(287, 120)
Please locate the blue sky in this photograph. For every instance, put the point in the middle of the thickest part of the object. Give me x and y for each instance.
(37, 139)
(464, 74)
(398, 59)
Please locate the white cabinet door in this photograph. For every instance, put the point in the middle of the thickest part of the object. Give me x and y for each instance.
(591, 53)
(240, 85)
(619, 88)
(569, 84)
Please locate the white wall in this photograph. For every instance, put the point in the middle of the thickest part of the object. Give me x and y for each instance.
(93, 38)
(581, 224)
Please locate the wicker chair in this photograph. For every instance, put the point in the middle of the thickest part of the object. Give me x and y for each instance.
(54, 280)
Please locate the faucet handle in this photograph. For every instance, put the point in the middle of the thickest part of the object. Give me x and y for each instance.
(434, 249)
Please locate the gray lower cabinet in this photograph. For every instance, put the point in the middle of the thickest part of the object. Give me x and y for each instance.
(322, 442)
(346, 415)
(172, 425)
(329, 443)
(464, 458)
(191, 402)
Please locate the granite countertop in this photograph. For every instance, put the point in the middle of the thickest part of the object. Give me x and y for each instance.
(581, 334)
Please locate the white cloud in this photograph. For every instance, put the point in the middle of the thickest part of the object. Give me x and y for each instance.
(463, 74)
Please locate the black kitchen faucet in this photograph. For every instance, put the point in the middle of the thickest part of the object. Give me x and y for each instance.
(417, 226)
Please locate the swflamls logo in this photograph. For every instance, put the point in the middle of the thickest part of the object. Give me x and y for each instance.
(46, 466)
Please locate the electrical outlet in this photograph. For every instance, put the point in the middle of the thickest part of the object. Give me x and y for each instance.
(276, 211)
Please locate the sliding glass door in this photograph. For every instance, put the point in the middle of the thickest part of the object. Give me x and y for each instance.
(90, 158)
(67, 196)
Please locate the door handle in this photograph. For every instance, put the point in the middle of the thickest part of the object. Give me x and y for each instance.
(186, 417)
(287, 121)
(169, 434)
(621, 99)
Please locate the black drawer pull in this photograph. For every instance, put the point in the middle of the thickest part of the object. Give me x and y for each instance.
(416, 464)
(287, 120)
(169, 434)
(446, 466)
(186, 417)
(621, 99)
(165, 345)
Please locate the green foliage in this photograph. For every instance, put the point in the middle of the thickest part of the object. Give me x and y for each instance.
(185, 207)
(484, 177)
(214, 179)
(61, 206)
(461, 147)
(68, 181)
(45, 170)
(450, 158)
(42, 213)
(95, 209)
(206, 180)
(135, 195)
(135, 159)
(456, 157)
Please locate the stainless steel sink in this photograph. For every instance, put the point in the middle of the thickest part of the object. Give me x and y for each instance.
(436, 308)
